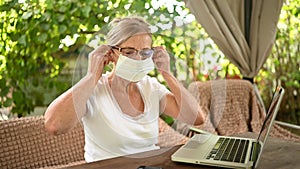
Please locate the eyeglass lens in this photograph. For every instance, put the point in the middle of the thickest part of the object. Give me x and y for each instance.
(132, 53)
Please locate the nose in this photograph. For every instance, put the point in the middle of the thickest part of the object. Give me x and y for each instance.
(137, 57)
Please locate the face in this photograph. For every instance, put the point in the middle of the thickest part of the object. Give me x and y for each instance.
(136, 44)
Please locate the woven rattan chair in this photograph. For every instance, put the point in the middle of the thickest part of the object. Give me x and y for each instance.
(231, 107)
(25, 144)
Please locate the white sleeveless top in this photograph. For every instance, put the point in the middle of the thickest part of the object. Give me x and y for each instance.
(111, 133)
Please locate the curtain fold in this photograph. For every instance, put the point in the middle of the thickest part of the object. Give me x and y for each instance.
(264, 19)
(224, 21)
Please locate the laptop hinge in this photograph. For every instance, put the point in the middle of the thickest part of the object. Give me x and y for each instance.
(256, 148)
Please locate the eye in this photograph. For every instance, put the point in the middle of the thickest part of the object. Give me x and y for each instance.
(146, 52)
(128, 51)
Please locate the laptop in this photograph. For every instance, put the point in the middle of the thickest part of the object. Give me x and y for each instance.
(229, 152)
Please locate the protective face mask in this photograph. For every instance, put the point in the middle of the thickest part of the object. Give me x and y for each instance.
(133, 70)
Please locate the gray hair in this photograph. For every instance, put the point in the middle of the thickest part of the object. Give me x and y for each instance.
(123, 28)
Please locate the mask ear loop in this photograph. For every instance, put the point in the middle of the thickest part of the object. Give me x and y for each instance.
(112, 65)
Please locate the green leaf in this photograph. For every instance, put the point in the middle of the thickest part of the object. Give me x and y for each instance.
(86, 11)
(35, 82)
(22, 40)
(37, 11)
(8, 6)
(4, 91)
(61, 18)
(62, 29)
(26, 15)
(42, 38)
(8, 102)
(46, 16)
(45, 26)
(62, 9)
(74, 29)
(49, 4)
(18, 97)
(2, 82)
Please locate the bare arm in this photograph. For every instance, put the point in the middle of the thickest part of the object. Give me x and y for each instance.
(180, 104)
(67, 110)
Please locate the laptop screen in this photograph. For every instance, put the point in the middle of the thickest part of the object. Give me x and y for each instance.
(271, 113)
(268, 122)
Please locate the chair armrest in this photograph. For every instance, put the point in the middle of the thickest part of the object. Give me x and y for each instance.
(289, 125)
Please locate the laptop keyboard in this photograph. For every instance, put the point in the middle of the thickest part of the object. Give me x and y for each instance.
(229, 149)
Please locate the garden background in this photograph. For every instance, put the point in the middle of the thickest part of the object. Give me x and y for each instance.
(44, 45)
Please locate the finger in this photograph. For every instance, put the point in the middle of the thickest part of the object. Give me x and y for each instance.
(158, 54)
(157, 59)
(98, 55)
(105, 60)
(102, 50)
(158, 48)
(161, 58)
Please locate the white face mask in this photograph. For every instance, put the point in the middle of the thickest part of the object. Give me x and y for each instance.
(133, 70)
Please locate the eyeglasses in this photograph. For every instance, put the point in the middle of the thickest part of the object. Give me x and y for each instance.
(132, 52)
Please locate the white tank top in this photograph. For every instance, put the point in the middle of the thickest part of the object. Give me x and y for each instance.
(111, 133)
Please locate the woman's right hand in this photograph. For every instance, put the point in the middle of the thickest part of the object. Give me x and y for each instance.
(64, 113)
(99, 58)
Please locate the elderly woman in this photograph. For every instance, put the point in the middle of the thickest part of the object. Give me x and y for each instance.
(120, 109)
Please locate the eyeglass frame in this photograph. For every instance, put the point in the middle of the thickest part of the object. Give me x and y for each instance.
(136, 50)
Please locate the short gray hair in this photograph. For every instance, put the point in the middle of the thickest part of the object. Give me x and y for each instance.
(123, 28)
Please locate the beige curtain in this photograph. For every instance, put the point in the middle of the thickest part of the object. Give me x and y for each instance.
(224, 21)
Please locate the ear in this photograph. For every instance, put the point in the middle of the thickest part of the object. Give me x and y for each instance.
(115, 58)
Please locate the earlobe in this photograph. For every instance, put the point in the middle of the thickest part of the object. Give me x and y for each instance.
(115, 59)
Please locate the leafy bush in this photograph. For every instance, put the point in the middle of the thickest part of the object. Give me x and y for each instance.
(40, 39)
(283, 65)
(34, 52)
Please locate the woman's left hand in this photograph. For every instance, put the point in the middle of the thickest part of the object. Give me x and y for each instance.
(161, 59)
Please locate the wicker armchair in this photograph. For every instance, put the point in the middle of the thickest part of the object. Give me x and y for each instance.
(231, 107)
(26, 144)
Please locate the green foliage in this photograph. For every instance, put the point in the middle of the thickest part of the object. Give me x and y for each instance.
(34, 54)
(283, 66)
(31, 45)
(39, 38)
